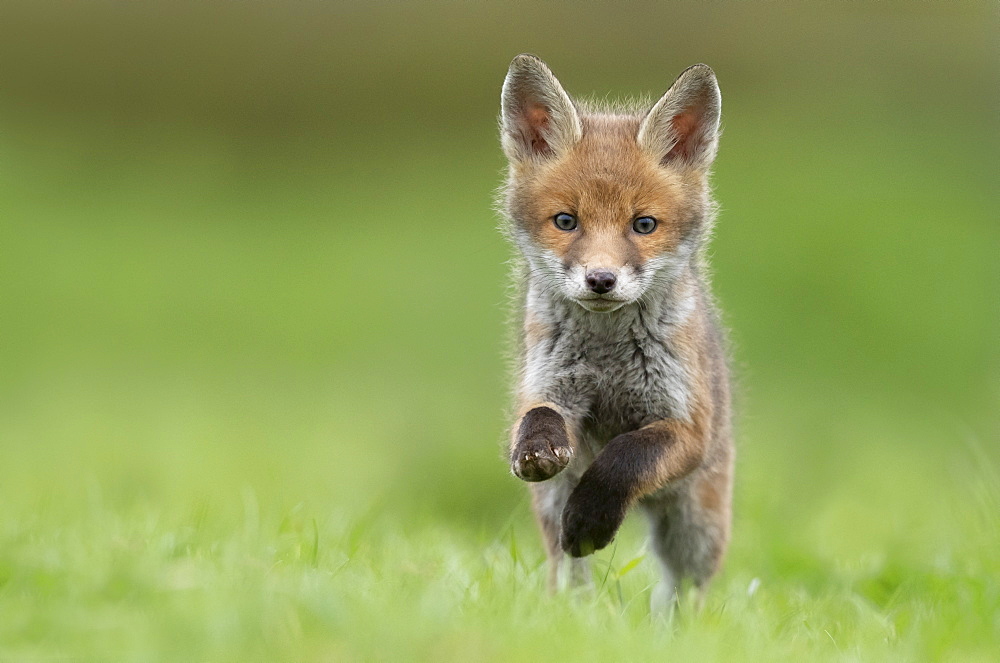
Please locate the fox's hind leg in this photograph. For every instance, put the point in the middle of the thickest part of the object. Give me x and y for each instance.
(549, 500)
(689, 532)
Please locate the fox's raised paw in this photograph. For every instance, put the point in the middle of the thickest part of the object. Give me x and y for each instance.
(543, 448)
(538, 460)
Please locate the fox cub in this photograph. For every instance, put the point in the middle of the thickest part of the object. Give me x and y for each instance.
(622, 392)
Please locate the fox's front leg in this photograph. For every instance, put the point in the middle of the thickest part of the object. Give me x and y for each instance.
(540, 448)
(631, 466)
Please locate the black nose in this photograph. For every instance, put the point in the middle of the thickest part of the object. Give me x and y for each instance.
(601, 281)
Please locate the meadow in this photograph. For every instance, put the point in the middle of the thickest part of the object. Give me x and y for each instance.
(253, 384)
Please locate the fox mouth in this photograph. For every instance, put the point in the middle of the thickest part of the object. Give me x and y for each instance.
(601, 303)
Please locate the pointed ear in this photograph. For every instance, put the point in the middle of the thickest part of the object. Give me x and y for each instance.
(682, 128)
(537, 117)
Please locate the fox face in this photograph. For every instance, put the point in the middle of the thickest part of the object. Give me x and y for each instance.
(606, 206)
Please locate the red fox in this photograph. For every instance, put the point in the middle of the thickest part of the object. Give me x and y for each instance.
(622, 391)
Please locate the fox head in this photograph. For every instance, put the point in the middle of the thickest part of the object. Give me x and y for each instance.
(606, 205)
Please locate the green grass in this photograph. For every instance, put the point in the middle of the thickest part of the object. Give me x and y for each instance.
(215, 450)
(252, 373)
(855, 570)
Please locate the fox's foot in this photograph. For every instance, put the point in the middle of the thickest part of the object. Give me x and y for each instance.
(538, 462)
(542, 449)
(591, 518)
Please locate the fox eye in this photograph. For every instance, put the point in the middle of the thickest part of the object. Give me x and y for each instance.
(564, 221)
(644, 225)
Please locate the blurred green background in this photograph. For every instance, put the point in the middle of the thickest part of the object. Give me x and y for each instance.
(250, 278)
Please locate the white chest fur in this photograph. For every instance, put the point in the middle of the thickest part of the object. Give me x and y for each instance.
(611, 372)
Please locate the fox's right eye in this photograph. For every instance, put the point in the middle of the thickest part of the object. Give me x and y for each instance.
(564, 221)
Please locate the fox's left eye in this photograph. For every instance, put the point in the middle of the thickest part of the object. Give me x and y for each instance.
(644, 225)
(564, 221)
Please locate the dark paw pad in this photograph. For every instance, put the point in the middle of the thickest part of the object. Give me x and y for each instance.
(543, 448)
(538, 462)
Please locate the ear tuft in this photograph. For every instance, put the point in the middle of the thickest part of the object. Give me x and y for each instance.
(537, 117)
(682, 128)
